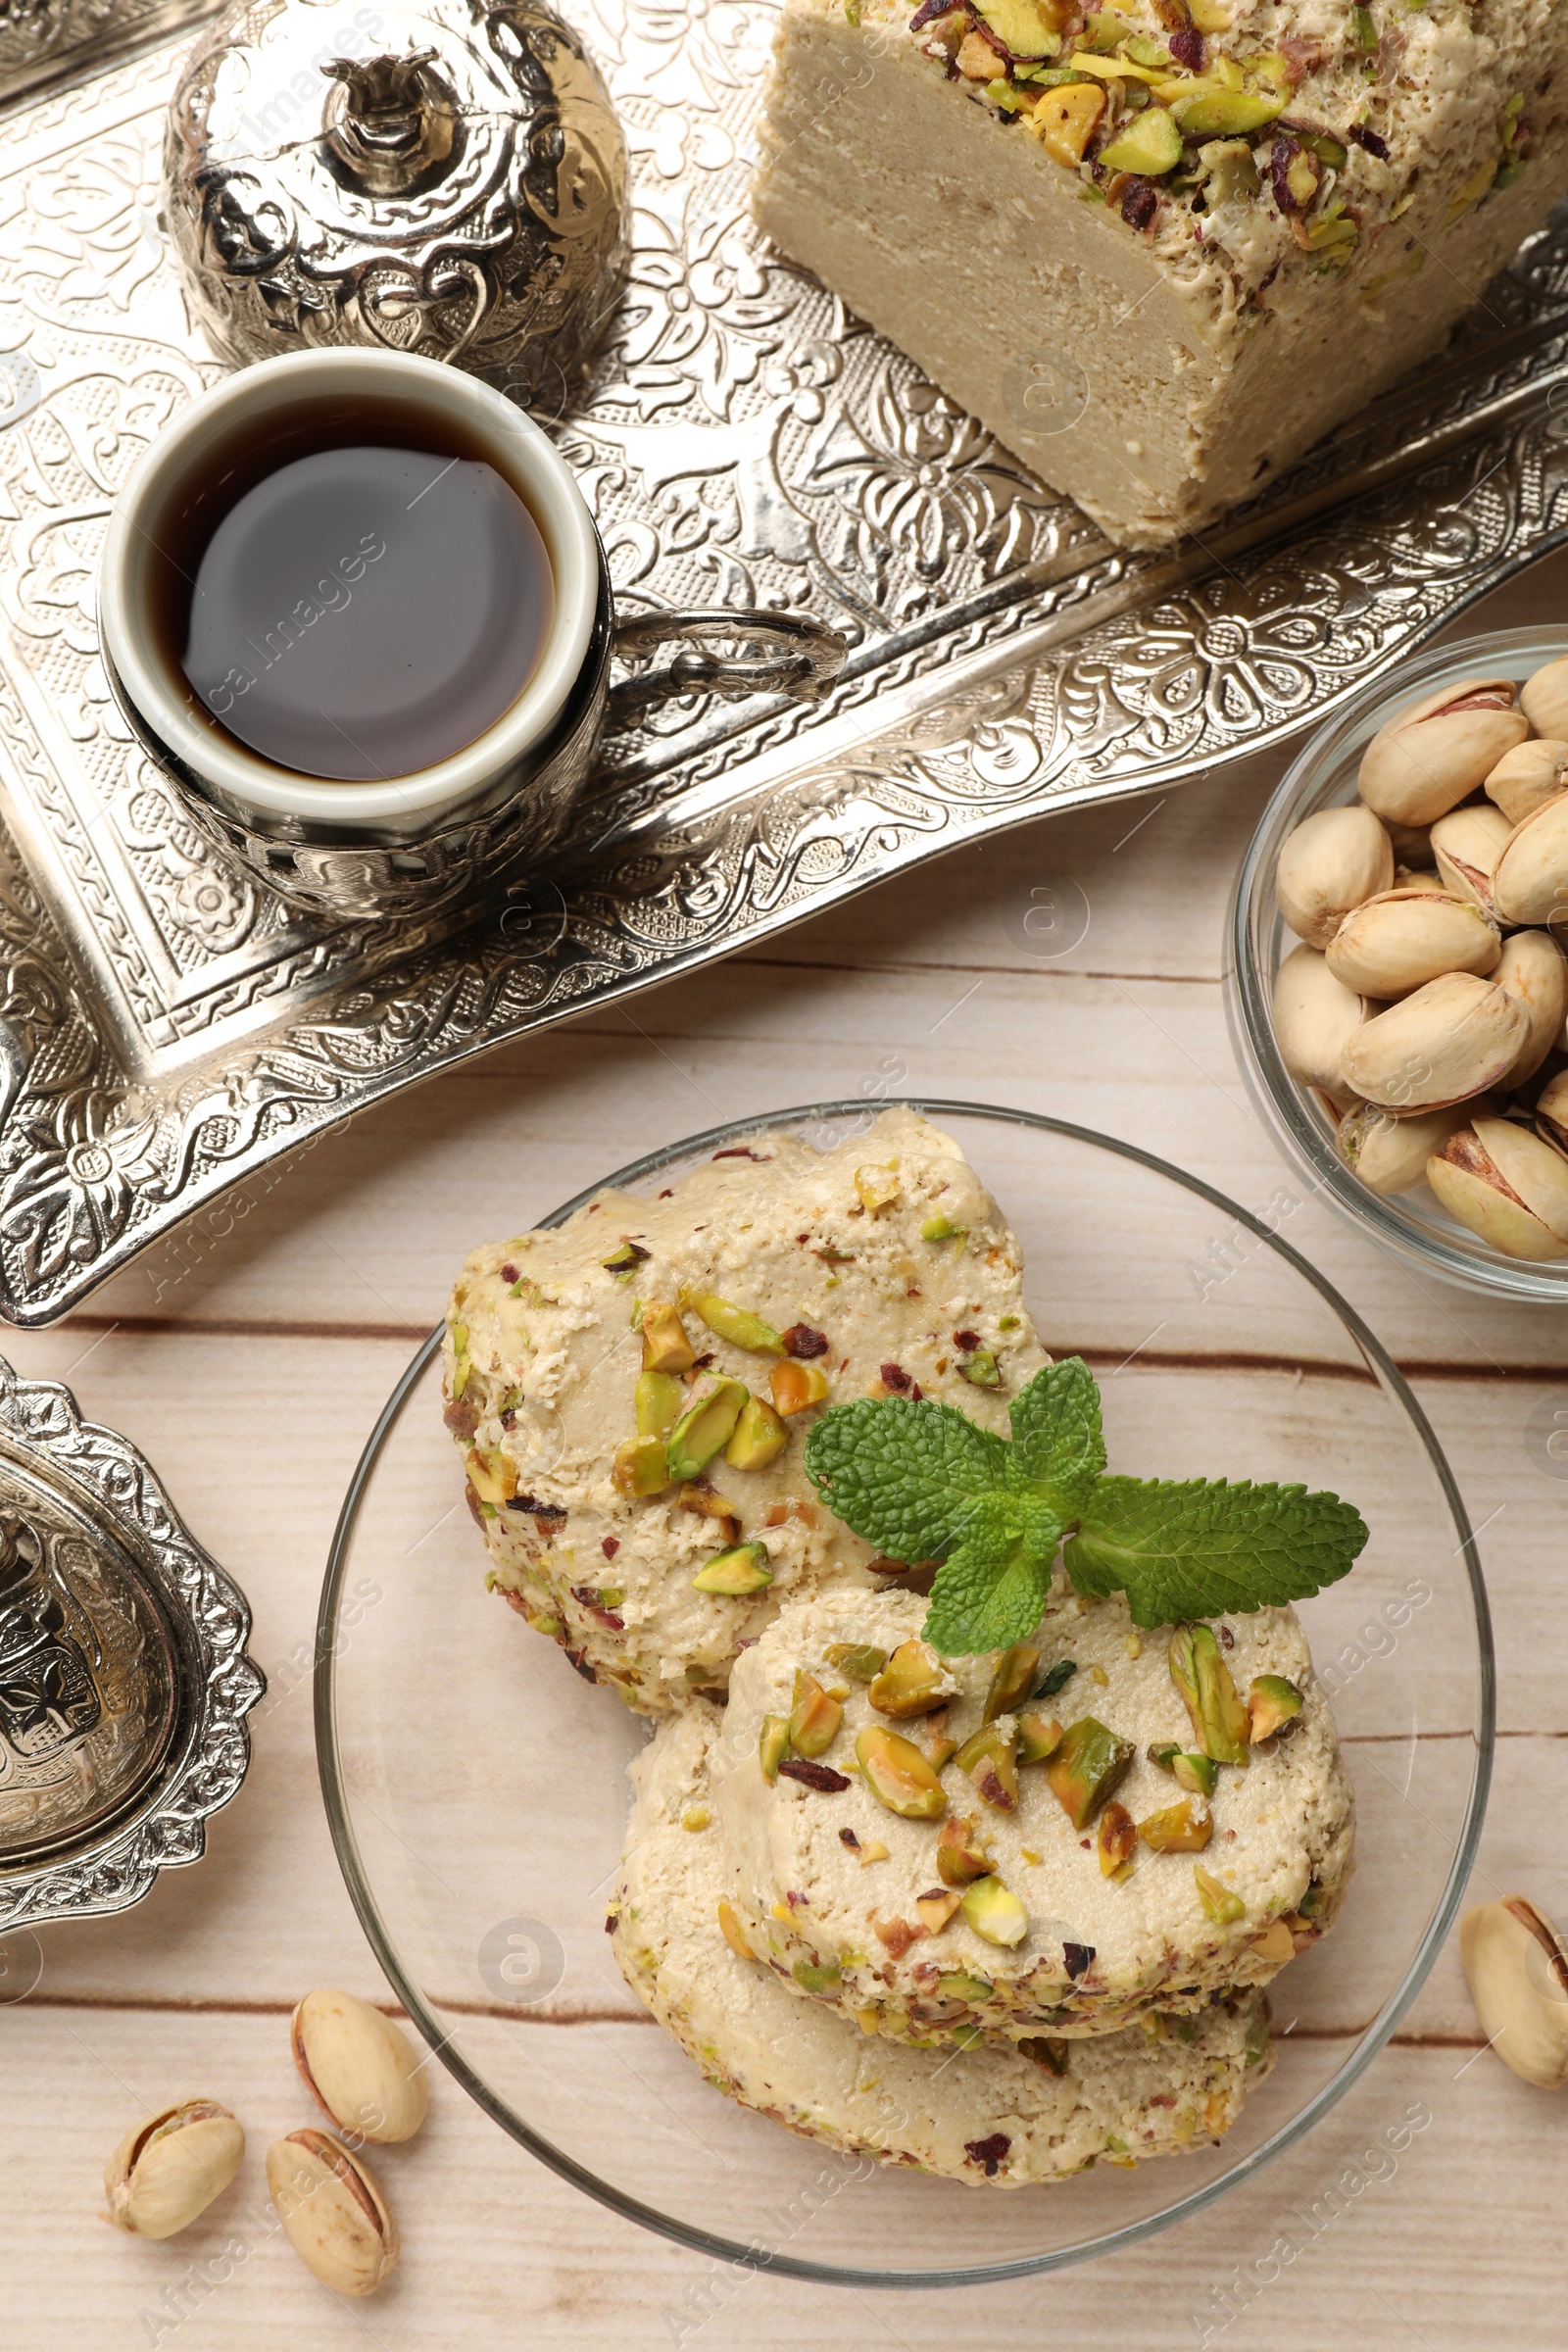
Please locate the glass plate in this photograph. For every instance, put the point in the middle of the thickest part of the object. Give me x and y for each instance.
(477, 1796)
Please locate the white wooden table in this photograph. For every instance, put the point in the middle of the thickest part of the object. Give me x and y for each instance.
(252, 1380)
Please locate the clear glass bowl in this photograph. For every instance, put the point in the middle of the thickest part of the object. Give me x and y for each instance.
(1410, 1224)
(477, 1796)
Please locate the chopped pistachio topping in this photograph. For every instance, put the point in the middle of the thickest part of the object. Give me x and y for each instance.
(742, 1569)
(736, 1324)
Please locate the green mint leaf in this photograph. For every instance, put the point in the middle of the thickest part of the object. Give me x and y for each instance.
(1202, 1547)
(990, 1591)
(906, 1476)
(1059, 1449)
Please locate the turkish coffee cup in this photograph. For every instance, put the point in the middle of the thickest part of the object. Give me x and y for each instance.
(272, 605)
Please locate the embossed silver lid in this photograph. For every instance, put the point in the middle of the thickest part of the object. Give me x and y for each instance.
(123, 1680)
(443, 176)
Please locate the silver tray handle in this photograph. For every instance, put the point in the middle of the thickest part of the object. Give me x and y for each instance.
(767, 653)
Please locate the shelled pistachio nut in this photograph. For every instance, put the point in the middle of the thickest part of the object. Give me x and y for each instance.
(1531, 880)
(1440, 751)
(332, 2212)
(1389, 1154)
(1516, 1966)
(1551, 1112)
(1506, 1185)
(1331, 862)
(1533, 970)
(1545, 699)
(1467, 844)
(1526, 778)
(172, 2166)
(1315, 1017)
(358, 2067)
(1454, 1038)
(1401, 939)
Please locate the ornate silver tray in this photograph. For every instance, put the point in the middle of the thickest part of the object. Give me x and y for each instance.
(167, 1029)
(123, 1680)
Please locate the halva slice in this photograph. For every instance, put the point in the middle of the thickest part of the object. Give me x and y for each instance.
(1040, 1842)
(1160, 249)
(631, 1392)
(998, 2111)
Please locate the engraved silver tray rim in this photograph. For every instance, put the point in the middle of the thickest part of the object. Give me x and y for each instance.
(1077, 675)
(98, 1476)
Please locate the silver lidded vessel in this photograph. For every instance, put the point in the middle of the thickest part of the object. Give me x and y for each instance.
(447, 178)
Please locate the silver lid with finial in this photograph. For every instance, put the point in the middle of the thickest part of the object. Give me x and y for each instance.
(447, 178)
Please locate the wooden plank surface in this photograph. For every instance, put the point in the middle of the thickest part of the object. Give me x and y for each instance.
(250, 1360)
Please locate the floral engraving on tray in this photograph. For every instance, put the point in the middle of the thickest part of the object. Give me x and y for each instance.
(743, 439)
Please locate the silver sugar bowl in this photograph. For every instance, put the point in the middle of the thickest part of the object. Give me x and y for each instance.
(446, 177)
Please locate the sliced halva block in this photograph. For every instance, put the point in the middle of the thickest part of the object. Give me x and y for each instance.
(998, 2111)
(990, 1899)
(1160, 249)
(776, 1272)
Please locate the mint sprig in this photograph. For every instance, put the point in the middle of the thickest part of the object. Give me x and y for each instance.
(1202, 1547)
(922, 1482)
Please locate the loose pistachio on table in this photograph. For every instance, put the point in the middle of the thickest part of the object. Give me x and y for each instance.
(1332, 862)
(1435, 754)
(171, 2167)
(1526, 778)
(1506, 1185)
(333, 2214)
(1516, 1965)
(358, 2067)
(1401, 939)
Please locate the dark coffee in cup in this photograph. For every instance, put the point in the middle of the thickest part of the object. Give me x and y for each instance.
(368, 611)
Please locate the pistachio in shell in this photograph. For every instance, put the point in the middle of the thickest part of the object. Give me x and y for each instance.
(1533, 970)
(1467, 844)
(1543, 699)
(1507, 1186)
(332, 2212)
(1526, 778)
(1551, 1112)
(1454, 1038)
(1401, 939)
(1389, 1154)
(1315, 1017)
(1531, 881)
(171, 2167)
(358, 2067)
(1435, 754)
(1332, 862)
(1516, 1966)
